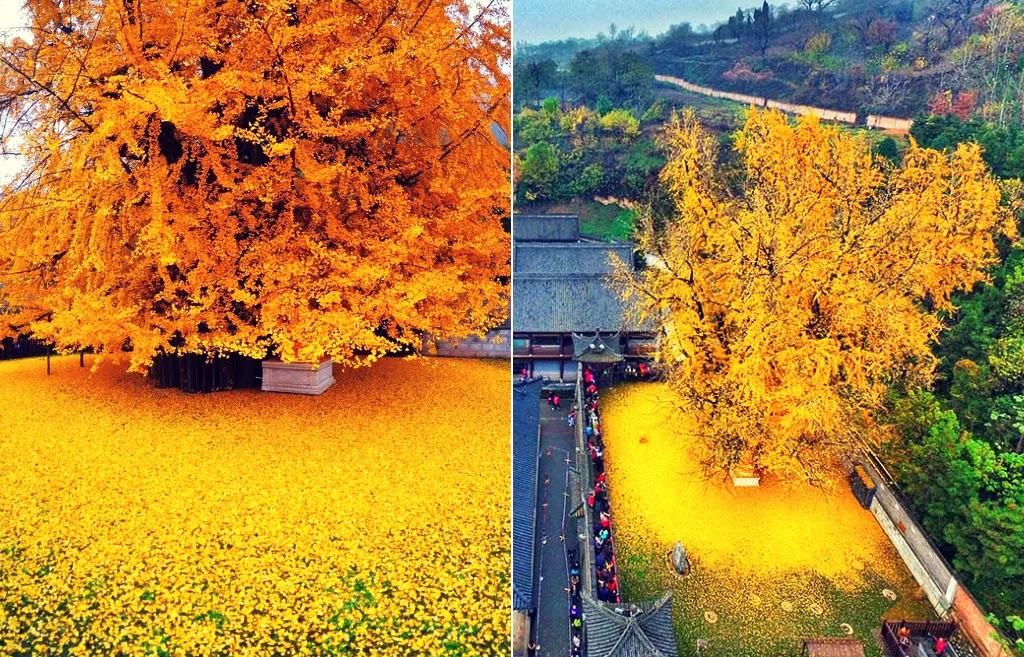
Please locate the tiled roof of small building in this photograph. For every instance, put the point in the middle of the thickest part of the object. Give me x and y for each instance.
(833, 647)
(630, 630)
(525, 425)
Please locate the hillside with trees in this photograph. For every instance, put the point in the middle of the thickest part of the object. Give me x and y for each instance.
(897, 58)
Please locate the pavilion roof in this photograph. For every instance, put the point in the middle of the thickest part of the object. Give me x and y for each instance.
(630, 630)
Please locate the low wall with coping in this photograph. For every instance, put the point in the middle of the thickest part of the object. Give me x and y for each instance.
(873, 121)
(929, 568)
(925, 563)
(496, 344)
(713, 93)
(889, 123)
(820, 112)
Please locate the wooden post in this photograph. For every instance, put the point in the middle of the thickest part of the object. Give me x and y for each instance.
(49, 348)
(81, 358)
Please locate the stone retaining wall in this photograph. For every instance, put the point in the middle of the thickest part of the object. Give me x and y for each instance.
(298, 378)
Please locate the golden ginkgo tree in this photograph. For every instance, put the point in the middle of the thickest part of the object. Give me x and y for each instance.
(300, 177)
(793, 297)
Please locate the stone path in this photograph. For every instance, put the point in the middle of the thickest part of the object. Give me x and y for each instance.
(554, 537)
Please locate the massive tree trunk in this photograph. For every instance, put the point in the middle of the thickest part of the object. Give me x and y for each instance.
(199, 373)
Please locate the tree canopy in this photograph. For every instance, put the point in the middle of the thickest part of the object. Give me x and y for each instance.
(583, 151)
(792, 298)
(208, 176)
(969, 496)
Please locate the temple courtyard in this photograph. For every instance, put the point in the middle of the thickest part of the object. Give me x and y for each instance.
(772, 565)
(136, 520)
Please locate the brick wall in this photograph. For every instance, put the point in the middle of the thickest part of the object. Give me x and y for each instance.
(971, 619)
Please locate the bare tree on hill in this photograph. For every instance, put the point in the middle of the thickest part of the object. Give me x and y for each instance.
(817, 6)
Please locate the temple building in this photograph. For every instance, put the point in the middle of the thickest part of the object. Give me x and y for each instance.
(565, 308)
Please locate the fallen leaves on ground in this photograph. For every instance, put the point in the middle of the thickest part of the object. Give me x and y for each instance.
(775, 563)
(371, 520)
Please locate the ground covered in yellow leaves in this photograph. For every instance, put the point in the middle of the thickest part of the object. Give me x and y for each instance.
(371, 520)
(772, 564)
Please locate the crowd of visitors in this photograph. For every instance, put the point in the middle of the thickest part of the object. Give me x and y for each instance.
(640, 371)
(575, 606)
(597, 498)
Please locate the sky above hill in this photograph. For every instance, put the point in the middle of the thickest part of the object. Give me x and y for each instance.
(535, 21)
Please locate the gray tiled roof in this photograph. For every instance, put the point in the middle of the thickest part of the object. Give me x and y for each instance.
(563, 304)
(545, 227)
(630, 630)
(525, 425)
(596, 348)
(569, 258)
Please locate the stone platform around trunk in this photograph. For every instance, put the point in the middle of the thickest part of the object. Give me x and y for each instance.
(744, 476)
(298, 378)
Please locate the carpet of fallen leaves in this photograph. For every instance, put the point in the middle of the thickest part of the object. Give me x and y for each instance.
(774, 564)
(373, 519)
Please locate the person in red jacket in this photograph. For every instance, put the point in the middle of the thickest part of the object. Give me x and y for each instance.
(903, 635)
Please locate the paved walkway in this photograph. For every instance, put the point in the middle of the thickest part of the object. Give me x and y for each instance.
(554, 534)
